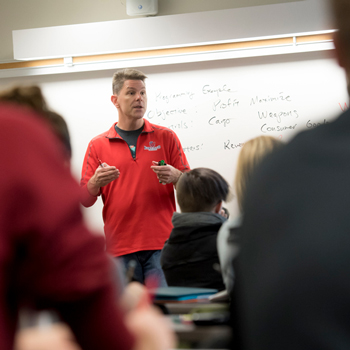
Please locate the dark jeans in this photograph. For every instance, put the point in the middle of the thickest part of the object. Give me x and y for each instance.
(147, 263)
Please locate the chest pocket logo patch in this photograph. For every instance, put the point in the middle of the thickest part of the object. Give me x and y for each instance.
(152, 147)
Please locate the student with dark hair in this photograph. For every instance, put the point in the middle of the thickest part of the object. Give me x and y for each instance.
(189, 257)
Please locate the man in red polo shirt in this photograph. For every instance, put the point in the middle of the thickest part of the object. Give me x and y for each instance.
(122, 166)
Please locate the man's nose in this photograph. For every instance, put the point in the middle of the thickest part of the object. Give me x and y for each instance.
(139, 96)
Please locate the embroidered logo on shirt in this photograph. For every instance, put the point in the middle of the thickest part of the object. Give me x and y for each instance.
(152, 147)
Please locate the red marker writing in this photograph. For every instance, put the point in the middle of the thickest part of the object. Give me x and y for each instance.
(101, 164)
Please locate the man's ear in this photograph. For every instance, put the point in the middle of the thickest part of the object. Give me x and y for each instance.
(218, 207)
(114, 99)
(340, 52)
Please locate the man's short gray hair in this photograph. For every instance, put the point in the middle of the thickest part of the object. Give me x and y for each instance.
(125, 74)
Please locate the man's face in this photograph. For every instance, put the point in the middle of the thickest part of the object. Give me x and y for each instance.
(131, 100)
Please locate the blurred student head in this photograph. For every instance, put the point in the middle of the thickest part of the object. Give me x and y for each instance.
(31, 97)
(251, 155)
(26, 96)
(201, 189)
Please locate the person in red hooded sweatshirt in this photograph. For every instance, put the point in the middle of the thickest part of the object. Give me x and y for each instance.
(48, 257)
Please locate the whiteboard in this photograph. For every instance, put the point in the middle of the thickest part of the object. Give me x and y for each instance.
(214, 107)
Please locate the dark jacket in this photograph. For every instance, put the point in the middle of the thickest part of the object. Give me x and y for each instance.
(189, 257)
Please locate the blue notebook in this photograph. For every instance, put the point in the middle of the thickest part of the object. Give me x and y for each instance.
(182, 293)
